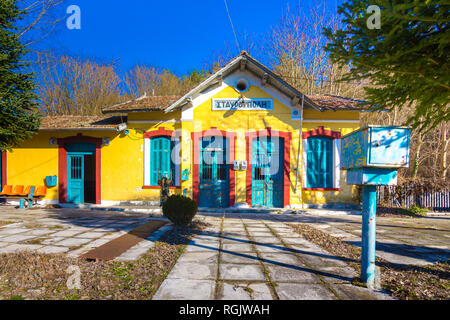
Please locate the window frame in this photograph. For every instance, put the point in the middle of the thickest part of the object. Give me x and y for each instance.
(174, 167)
(336, 172)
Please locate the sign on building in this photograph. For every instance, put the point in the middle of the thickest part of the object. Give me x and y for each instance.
(242, 104)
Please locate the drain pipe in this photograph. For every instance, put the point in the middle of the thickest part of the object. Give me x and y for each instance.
(298, 152)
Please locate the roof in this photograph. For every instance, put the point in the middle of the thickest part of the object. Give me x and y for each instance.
(338, 103)
(81, 123)
(243, 61)
(142, 104)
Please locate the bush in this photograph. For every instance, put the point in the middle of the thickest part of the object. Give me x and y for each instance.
(419, 211)
(180, 210)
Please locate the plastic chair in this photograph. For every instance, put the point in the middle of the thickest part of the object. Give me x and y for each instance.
(7, 189)
(40, 192)
(18, 190)
(26, 192)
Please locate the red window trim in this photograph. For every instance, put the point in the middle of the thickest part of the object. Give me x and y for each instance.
(161, 132)
(231, 137)
(287, 136)
(320, 131)
(62, 165)
(4, 172)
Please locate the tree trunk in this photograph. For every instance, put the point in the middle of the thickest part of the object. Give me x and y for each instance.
(444, 143)
(417, 156)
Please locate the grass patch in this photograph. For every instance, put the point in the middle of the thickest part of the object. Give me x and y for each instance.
(56, 227)
(39, 276)
(36, 241)
(414, 212)
(430, 282)
(4, 223)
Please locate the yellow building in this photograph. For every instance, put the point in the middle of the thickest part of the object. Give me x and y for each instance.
(242, 137)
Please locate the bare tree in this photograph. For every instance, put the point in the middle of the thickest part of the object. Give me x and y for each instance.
(73, 86)
(295, 50)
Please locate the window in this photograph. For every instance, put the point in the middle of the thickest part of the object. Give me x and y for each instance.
(161, 158)
(319, 168)
(161, 164)
(321, 160)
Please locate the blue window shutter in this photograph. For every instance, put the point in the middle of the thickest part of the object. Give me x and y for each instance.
(159, 159)
(319, 162)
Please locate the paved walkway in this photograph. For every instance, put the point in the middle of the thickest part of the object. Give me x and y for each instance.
(245, 258)
(70, 231)
(401, 240)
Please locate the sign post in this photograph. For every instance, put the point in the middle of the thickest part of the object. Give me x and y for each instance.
(372, 155)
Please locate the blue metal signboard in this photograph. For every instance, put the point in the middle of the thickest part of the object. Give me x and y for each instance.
(376, 147)
(372, 156)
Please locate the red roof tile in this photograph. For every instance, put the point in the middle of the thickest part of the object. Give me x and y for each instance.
(81, 122)
(153, 103)
(337, 102)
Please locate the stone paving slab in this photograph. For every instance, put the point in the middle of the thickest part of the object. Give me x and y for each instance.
(205, 257)
(296, 291)
(237, 247)
(52, 249)
(194, 271)
(266, 240)
(254, 291)
(247, 272)
(242, 257)
(174, 289)
(292, 274)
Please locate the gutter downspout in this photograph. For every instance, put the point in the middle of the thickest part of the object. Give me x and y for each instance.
(300, 140)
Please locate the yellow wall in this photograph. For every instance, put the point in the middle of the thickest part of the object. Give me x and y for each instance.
(123, 160)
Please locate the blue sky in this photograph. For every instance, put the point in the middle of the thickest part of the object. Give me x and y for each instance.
(175, 34)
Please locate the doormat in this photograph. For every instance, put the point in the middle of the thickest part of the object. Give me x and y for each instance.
(116, 247)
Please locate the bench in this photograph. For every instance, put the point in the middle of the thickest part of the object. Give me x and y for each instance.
(24, 195)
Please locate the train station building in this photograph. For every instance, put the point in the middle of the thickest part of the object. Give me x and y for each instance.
(242, 137)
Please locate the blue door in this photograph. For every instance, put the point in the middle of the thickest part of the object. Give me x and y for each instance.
(214, 176)
(267, 172)
(80, 172)
(75, 179)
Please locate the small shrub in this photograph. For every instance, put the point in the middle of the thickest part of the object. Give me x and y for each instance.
(418, 211)
(180, 210)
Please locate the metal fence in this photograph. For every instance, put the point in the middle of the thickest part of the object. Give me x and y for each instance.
(409, 196)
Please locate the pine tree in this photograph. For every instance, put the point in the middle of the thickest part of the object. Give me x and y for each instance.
(407, 59)
(18, 118)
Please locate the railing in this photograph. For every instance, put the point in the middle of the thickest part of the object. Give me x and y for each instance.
(409, 196)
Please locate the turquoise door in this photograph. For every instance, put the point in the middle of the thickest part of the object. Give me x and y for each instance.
(75, 179)
(214, 176)
(267, 172)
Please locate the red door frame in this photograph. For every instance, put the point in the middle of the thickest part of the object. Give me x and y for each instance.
(62, 165)
(231, 139)
(268, 132)
(3, 173)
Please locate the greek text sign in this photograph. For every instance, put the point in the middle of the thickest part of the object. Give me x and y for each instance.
(242, 104)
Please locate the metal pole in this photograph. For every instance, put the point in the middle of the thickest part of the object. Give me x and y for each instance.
(368, 235)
